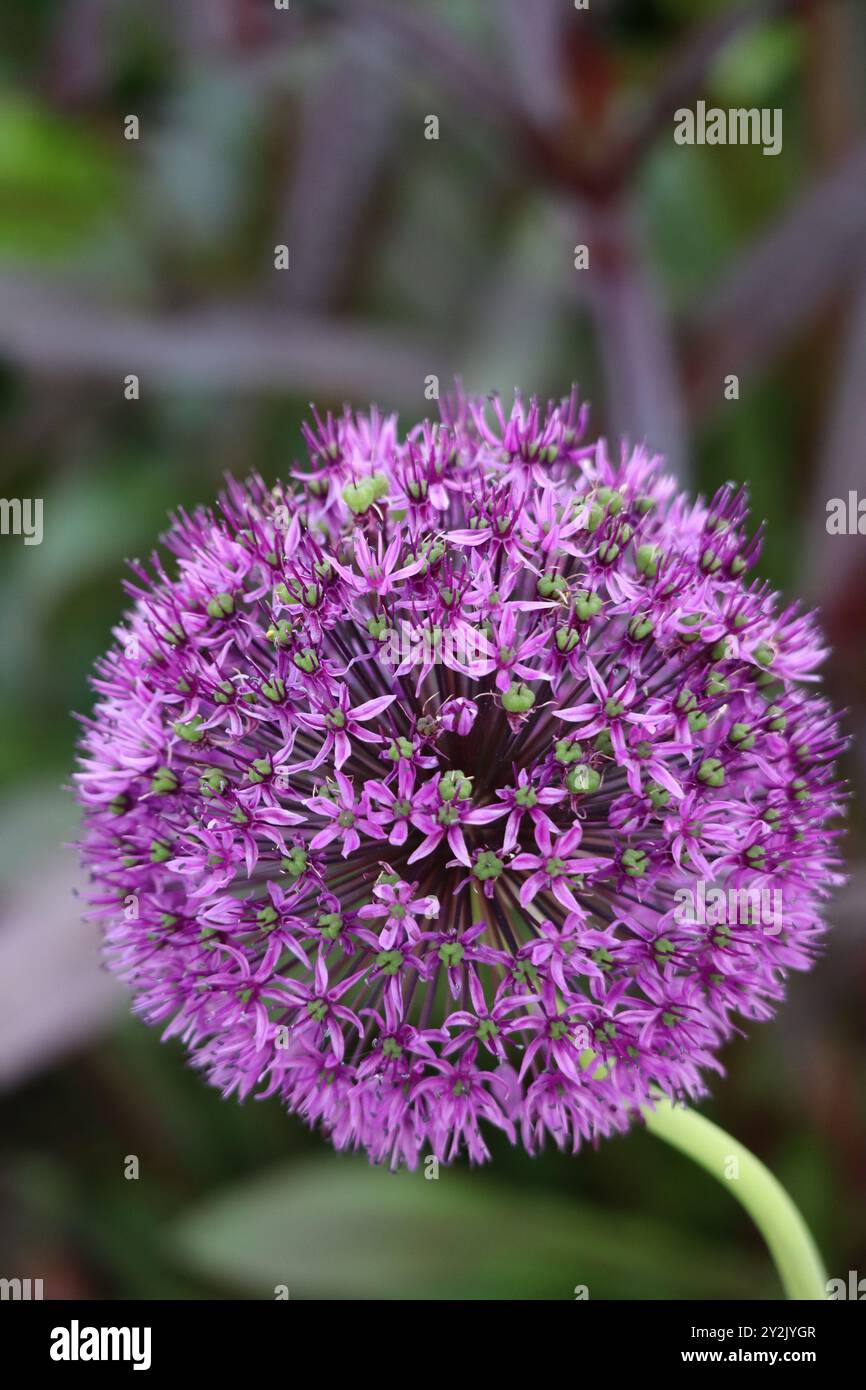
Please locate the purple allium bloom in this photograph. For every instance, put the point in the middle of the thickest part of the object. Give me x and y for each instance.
(413, 891)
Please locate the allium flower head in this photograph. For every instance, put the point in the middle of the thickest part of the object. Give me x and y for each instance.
(398, 780)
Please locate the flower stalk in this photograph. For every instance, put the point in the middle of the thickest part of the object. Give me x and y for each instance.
(788, 1238)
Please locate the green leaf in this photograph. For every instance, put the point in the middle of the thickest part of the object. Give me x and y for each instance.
(341, 1228)
(60, 182)
(755, 67)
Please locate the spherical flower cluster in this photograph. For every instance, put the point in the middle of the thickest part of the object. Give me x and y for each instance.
(399, 784)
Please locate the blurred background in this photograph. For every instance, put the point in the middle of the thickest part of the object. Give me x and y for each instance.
(409, 257)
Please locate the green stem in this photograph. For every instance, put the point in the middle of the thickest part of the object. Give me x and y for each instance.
(783, 1228)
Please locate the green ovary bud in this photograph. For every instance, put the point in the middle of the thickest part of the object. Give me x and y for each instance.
(586, 606)
(614, 501)
(764, 654)
(295, 862)
(567, 751)
(400, 748)
(389, 962)
(635, 862)
(190, 731)
(583, 779)
(550, 584)
(518, 699)
(647, 560)
(742, 737)
(359, 497)
(274, 689)
(487, 866)
(451, 953)
(280, 633)
(221, 606)
(212, 782)
(717, 685)
(710, 562)
(711, 772)
(164, 781)
(330, 924)
(455, 784)
(307, 660)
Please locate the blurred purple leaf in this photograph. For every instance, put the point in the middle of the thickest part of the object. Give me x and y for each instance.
(633, 332)
(831, 559)
(205, 24)
(520, 315)
(237, 347)
(54, 995)
(347, 121)
(79, 54)
(477, 84)
(534, 37)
